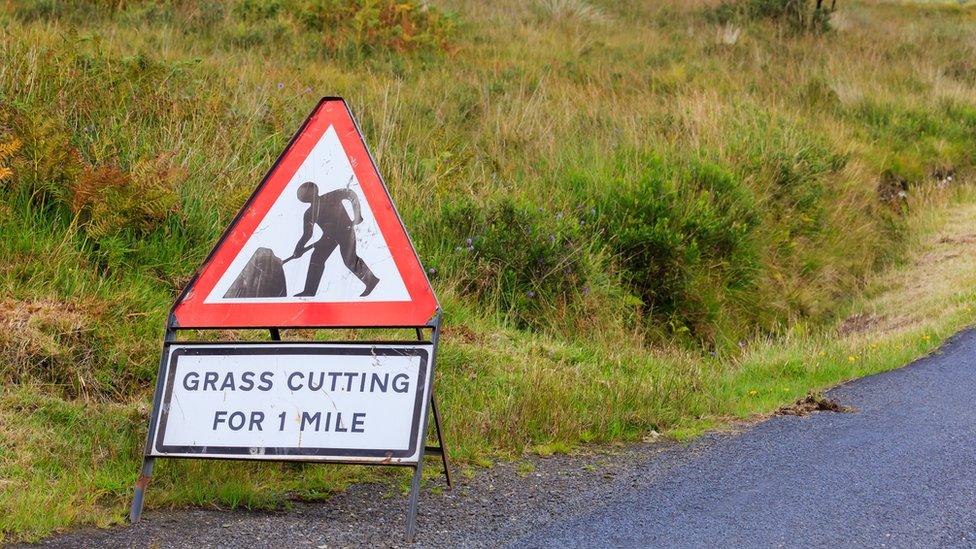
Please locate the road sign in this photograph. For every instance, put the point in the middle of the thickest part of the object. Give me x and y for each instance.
(348, 402)
(318, 244)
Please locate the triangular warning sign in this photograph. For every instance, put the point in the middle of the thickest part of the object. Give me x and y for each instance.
(318, 244)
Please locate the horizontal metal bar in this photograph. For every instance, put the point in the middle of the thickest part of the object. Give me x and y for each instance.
(262, 460)
(397, 327)
(433, 450)
(294, 342)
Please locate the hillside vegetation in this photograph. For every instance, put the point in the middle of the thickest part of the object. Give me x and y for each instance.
(639, 217)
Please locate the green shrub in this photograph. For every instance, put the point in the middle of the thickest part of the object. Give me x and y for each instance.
(248, 34)
(368, 26)
(790, 166)
(259, 9)
(918, 142)
(796, 14)
(683, 240)
(525, 259)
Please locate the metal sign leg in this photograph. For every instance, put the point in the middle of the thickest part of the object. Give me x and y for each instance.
(419, 469)
(145, 473)
(135, 511)
(440, 440)
(441, 448)
(418, 473)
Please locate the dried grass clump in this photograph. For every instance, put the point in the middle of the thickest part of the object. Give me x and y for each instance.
(49, 342)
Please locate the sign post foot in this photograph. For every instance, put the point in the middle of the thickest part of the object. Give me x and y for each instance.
(418, 473)
(135, 511)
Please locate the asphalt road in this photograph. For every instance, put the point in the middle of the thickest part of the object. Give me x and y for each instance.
(900, 472)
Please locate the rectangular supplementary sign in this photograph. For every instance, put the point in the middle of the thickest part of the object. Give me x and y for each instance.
(287, 401)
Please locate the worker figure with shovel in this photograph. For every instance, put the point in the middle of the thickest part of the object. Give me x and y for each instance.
(328, 213)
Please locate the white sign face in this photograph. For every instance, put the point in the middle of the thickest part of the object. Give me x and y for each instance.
(324, 212)
(310, 402)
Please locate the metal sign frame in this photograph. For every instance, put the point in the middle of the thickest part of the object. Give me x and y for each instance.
(420, 349)
(149, 458)
(433, 324)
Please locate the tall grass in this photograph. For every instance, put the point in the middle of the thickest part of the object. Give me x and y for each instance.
(618, 201)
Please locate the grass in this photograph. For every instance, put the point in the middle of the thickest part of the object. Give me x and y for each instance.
(674, 221)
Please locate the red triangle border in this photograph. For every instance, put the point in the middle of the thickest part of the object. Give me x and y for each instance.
(190, 311)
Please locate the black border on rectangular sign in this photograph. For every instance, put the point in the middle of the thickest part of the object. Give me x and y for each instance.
(330, 349)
